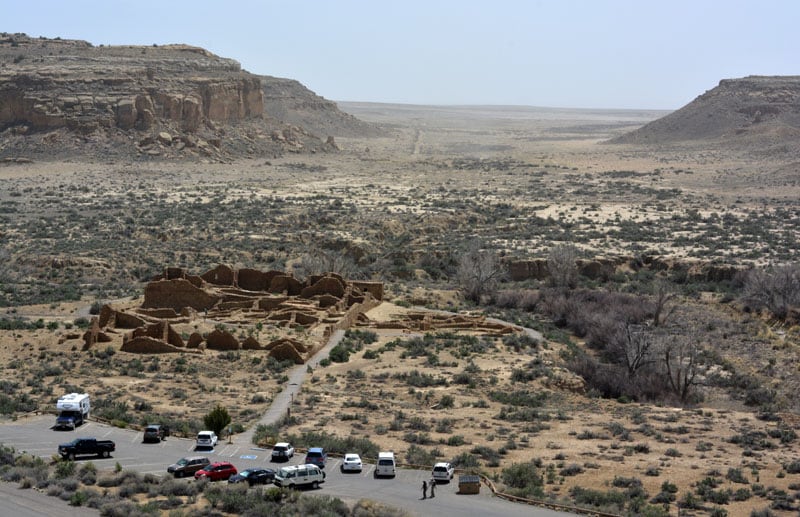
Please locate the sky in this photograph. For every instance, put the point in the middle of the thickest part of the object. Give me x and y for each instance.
(637, 54)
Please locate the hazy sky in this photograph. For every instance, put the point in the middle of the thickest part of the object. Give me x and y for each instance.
(555, 53)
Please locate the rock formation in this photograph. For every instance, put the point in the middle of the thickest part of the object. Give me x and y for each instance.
(289, 101)
(752, 110)
(143, 101)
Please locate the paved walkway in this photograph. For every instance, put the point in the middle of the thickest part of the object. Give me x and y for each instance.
(283, 400)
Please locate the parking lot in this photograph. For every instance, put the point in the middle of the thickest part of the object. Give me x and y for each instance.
(35, 436)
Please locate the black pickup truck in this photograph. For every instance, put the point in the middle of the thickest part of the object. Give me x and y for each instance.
(86, 447)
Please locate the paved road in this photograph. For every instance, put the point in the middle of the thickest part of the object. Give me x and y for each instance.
(20, 502)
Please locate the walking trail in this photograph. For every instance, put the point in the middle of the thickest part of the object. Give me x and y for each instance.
(283, 400)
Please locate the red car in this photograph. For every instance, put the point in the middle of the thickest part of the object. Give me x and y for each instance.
(217, 471)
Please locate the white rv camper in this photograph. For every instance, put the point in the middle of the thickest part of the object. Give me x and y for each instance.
(73, 409)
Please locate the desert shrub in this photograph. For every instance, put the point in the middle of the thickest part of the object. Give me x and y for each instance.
(611, 500)
(416, 455)
(335, 444)
(420, 380)
(447, 402)
(339, 354)
(736, 476)
(87, 473)
(718, 496)
(419, 438)
(464, 378)
(755, 440)
(418, 424)
(652, 471)
(793, 467)
(623, 482)
(489, 455)
(523, 480)
(519, 398)
(465, 460)
(456, 440)
(520, 342)
(64, 469)
(571, 470)
(785, 435)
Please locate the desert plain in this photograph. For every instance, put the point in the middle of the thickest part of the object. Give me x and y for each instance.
(404, 208)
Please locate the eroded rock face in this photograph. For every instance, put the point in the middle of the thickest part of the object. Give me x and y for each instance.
(65, 83)
(154, 101)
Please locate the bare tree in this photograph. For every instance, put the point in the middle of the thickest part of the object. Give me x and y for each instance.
(664, 294)
(777, 290)
(478, 272)
(681, 363)
(637, 347)
(321, 261)
(563, 267)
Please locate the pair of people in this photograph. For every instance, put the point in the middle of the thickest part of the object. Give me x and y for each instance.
(425, 485)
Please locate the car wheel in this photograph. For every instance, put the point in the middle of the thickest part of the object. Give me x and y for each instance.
(71, 457)
(106, 454)
(315, 485)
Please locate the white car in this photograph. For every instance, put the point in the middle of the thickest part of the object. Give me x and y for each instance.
(351, 462)
(206, 439)
(282, 451)
(443, 472)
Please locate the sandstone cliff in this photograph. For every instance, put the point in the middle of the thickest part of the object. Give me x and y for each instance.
(67, 96)
(756, 110)
(289, 101)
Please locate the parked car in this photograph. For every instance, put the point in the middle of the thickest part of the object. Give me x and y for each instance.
(282, 451)
(317, 456)
(188, 466)
(155, 433)
(351, 463)
(206, 439)
(386, 465)
(86, 447)
(254, 476)
(300, 475)
(216, 471)
(443, 472)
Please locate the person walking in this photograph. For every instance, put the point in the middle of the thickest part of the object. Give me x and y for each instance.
(432, 484)
(424, 489)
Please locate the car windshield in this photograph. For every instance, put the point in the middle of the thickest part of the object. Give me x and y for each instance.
(280, 448)
(182, 461)
(384, 462)
(440, 469)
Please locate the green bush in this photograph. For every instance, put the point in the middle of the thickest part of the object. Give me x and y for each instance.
(217, 420)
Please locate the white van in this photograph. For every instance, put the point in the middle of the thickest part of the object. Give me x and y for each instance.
(299, 475)
(386, 464)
